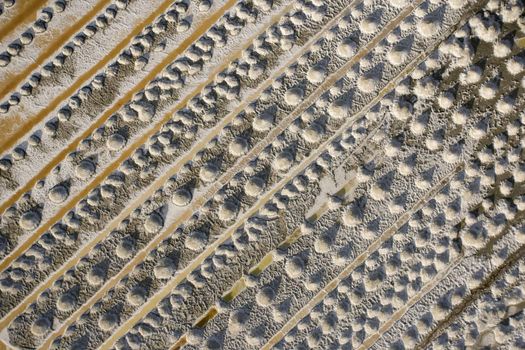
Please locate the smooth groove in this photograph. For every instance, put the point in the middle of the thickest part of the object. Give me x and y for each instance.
(129, 208)
(150, 304)
(389, 232)
(57, 43)
(124, 154)
(5, 263)
(27, 11)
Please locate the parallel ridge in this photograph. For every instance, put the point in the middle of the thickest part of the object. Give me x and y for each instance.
(108, 232)
(57, 42)
(17, 15)
(182, 218)
(212, 21)
(264, 174)
(78, 184)
(171, 286)
(329, 81)
(237, 289)
(399, 314)
(100, 69)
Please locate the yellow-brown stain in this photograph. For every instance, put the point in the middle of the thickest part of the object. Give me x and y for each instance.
(290, 239)
(25, 13)
(262, 265)
(521, 42)
(237, 289)
(208, 316)
(8, 125)
(150, 304)
(14, 80)
(124, 155)
(56, 43)
(180, 343)
(48, 38)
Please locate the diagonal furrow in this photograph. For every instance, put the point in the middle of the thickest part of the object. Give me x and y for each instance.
(345, 190)
(227, 234)
(125, 154)
(19, 15)
(62, 269)
(89, 74)
(262, 174)
(332, 285)
(128, 209)
(58, 42)
(239, 286)
(198, 202)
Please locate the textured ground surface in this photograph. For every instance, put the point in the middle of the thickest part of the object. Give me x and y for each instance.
(256, 174)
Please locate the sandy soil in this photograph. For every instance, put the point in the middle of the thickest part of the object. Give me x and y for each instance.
(257, 174)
